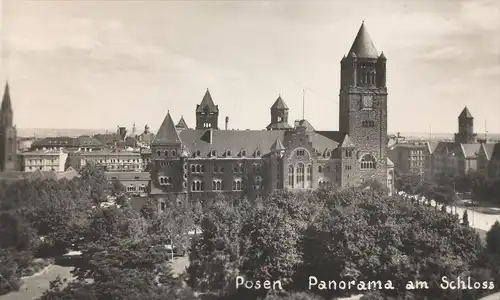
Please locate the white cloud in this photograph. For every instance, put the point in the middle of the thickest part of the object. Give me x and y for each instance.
(480, 14)
(490, 71)
(444, 53)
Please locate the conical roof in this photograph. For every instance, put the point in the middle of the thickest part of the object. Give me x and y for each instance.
(207, 104)
(363, 45)
(167, 134)
(277, 145)
(182, 124)
(279, 104)
(347, 143)
(465, 114)
(6, 103)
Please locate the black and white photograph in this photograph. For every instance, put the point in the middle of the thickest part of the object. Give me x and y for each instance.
(250, 150)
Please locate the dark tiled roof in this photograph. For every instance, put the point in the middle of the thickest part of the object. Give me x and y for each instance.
(60, 141)
(207, 104)
(233, 140)
(347, 143)
(411, 145)
(277, 145)
(88, 141)
(465, 114)
(322, 142)
(363, 45)
(279, 104)
(488, 149)
(471, 150)
(495, 153)
(465, 150)
(431, 146)
(6, 103)
(305, 124)
(167, 134)
(279, 126)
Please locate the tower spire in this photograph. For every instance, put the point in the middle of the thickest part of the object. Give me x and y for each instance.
(363, 46)
(303, 103)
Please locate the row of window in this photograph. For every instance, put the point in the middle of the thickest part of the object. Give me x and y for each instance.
(167, 153)
(228, 152)
(134, 188)
(367, 77)
(218, 185)
(367, 123)
(237, 168)
(296, 176)
(165, 180)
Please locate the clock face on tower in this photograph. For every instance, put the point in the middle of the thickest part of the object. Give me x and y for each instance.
(367, 102)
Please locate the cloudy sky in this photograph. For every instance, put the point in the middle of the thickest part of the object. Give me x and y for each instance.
(99, 64)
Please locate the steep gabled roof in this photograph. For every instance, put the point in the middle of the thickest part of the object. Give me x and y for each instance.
(167, 134)
(279, 104)
(6, 103)
(347, 143)
(277, 145)
(465, 114)
(182, 124)
(363, 45)
(207, 104)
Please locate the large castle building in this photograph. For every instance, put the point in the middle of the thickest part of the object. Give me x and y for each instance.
(200, 162)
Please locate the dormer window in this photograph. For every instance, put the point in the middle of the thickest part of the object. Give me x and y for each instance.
(328, 153)
(257, 152)
(243, 153)
(213, 153)
(198, 153)
(228, 152)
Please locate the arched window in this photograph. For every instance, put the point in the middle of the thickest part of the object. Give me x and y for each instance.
(258, 183)
(320, 169)
(202, 168)
(237, 185)
(290, 177)
(213, 153)
(309, 176)
(198, 185)
(158, 152)
(368, 162)
(166, 152)
(193, 168)
(300, 175)
(198, 168)
(174, 153)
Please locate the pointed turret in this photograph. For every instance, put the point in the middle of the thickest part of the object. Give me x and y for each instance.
(167, 134)
(207, 113)
(347, 143)
(277, 146)
(279, 104)
(363, 45)
(465, 114)
(279, 115)
(382, 56)
(6, 103)
(182, 124)
(207, 104)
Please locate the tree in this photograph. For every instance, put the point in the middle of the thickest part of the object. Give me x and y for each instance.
(117, 188)
(493, 238)
(465, 218)
(216, 253)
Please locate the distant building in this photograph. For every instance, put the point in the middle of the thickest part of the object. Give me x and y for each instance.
(206, 160)
(409, 158)
(44, 160)
(24, 144)
(146, 137)
(8, 135)
(113, 161)
(135, 183)
(458, 157)
(81, 143)
(489, 160)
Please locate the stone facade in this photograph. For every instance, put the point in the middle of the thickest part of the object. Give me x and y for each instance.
(205, 161)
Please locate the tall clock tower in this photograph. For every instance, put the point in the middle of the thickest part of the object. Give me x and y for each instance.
(363, 107)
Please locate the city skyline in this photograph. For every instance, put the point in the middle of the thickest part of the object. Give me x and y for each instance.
(106, 67)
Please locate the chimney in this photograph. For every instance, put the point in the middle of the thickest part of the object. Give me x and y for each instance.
(227, 122)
